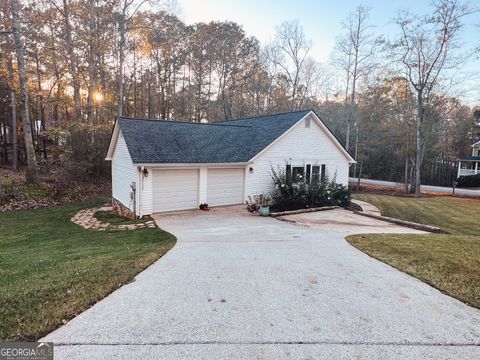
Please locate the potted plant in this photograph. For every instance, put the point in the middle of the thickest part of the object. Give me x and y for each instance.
(259, 203)
(264, 202)
(204, 207)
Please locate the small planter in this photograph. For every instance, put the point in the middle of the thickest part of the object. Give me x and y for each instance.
(264, 211)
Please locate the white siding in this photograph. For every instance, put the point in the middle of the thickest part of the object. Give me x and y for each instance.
(123, 173)
(202, 186)
(146, 201)
(300, 146)
(225, 186)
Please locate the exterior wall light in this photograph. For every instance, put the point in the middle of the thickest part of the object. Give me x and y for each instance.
(251, 170)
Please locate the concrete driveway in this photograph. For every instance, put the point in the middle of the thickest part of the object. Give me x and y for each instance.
(347, 223)
(238, 286)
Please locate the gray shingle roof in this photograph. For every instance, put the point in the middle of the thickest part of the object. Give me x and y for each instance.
(162, 141)
(471, 158)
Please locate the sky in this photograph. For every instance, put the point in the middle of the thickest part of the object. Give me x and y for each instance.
(321, 21)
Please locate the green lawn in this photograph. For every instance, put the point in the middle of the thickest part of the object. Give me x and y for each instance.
(449, 262)
(52, 269)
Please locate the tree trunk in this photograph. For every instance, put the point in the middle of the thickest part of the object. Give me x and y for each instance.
(135, 82)
(91, 64)
(406, 172)
(72, 64)
(419, 143)
(347, 140)
(356, 149)
(13, 129)
(353, 105)
(40, 109)
(121, 59)
(149, 102)
(359, 176)
(31, 173)
(4, 140)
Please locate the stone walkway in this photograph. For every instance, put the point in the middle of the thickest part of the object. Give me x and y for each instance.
(86, 219)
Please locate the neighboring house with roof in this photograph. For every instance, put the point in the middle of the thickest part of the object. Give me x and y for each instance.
(160, 165)
(471, 164)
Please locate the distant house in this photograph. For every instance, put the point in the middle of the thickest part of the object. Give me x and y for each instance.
(161, 166)
(470, 165)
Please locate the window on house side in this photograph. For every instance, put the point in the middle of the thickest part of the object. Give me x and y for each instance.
(288, 171)
(324, 171)
(298, 173)
(308, 172)
(315, 173)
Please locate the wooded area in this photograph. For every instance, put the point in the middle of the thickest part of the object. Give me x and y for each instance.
(68, 67)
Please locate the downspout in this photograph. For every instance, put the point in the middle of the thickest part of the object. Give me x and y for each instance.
(140, 188)
(133, 186)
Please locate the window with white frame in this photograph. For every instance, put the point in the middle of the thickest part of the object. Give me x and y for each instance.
(298, 173)
(315, 173)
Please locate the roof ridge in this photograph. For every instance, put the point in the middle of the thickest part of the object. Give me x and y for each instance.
(219, 123)
(269, 115)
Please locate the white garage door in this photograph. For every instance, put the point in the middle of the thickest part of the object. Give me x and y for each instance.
(175, 190)
(225, 186)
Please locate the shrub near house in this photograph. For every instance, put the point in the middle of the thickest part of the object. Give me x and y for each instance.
(471, 181)
(293, 191)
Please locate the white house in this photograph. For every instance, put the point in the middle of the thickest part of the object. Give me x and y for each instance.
(161, 166)
(470, 165)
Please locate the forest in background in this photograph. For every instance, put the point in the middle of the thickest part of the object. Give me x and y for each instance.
(389, 101)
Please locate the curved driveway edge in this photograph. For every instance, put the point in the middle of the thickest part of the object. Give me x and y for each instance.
(241, 286)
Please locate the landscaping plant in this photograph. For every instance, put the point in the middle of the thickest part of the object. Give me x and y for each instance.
(301, 193)
(471, 181)
(257, 201)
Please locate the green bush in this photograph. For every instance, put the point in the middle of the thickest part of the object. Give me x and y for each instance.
(301, 194)
(469, 181)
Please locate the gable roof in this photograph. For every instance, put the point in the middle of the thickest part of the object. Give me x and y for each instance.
(233, 141)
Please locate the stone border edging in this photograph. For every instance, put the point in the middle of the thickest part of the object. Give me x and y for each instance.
(86, 219)
(301, 211)
(410, 224)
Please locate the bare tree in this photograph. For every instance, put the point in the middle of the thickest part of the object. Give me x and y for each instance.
(425, 49)
(91, 62)
(31, 173)
(13, 104)
(124, 17)
(292, 49)
(355, 53)
(72, 63)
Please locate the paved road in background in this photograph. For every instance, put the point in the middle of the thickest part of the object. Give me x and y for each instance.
(440, 189)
